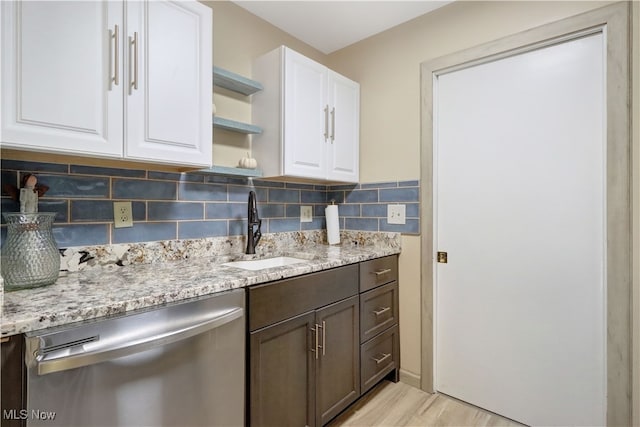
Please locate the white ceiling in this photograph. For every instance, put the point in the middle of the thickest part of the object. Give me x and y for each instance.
(331, 25)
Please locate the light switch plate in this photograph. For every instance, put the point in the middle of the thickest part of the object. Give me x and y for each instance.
(306, 214)
(396, 214)
(122, 214)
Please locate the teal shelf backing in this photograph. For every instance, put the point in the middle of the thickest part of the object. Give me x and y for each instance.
(231, 171)
(235, 82)
(234, 126)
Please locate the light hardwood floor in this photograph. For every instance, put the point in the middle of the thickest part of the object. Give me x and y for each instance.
(398, 404)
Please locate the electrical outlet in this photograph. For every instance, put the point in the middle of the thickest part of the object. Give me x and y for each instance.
(306, 214)
(396, 214)
(122, 214)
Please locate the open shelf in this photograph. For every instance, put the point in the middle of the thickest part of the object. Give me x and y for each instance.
(235, 82)
(234, 126)
(231, 171)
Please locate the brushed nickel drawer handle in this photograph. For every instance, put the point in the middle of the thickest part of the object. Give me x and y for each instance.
(382, 310)
(381, 272)
(382, 359)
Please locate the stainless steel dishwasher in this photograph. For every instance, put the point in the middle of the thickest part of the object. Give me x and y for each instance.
(178, 365)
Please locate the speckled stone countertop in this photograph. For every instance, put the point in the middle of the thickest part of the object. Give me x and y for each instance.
(110, 280)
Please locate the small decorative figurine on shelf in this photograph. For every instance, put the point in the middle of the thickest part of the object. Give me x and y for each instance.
(29, 193)
(248, 162)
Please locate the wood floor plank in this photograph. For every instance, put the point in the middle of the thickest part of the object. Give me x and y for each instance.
(398, 404)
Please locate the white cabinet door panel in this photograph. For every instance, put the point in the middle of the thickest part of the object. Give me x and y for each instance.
(305, 122)
(344, 150)
(57, 63)
(169, 113)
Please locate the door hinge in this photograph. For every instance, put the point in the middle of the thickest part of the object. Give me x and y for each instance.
(442, 257)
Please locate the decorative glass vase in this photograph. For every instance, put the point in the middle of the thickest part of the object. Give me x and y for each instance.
(30, 255)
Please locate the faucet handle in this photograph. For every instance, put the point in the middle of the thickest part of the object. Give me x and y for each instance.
(258, 234)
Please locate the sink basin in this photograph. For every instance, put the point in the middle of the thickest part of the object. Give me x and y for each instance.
(259, 264)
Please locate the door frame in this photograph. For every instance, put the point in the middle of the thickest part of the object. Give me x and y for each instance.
(614, 20)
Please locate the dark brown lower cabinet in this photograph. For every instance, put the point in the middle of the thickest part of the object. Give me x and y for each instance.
(306, 370)
(338, 362)
(304, 348)
(282, 384)
(12, 381)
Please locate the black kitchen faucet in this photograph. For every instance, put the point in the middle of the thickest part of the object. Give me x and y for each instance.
(253, 237)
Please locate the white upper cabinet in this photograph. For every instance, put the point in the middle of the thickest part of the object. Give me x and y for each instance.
(108, 79)
(170, 82)
(344, 151)
(56, 62)
(310, 119)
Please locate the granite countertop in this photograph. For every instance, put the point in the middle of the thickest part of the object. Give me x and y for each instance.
(97, 292)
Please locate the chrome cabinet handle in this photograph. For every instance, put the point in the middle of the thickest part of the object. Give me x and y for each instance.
(114, 56)
(382, 310)
(133, 48)
(382, 359)
(315, 347)
(333, 124)
(326, 123)
(381, 272)
(324, 337)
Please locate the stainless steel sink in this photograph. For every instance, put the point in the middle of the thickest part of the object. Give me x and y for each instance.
(260, 264)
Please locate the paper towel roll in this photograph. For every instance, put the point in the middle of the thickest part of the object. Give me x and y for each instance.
(333, 224)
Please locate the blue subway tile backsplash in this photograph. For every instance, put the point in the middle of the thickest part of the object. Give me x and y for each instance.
(145, 232)
(158, 211)
(170, 205)
(143, 189)
(199, 229)
(75, 186)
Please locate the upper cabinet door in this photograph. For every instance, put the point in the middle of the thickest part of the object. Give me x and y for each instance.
(169, 83)
(58, 76)
(306, 114)
(310, 116)
(344, 115)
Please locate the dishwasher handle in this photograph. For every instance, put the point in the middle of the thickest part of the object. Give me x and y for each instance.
(48, 363)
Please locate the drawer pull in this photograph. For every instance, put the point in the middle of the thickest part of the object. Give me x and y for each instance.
(382, 359)
(380, 311)
(381, 272)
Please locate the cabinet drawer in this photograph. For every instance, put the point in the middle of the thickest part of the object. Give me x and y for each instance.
(378, 357)
(377, 272)
(277, 301)
(378, 310)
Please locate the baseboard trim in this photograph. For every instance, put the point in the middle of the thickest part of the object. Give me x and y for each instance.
(410, 378)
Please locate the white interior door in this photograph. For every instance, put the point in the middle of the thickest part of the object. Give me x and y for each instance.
(520, 209)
